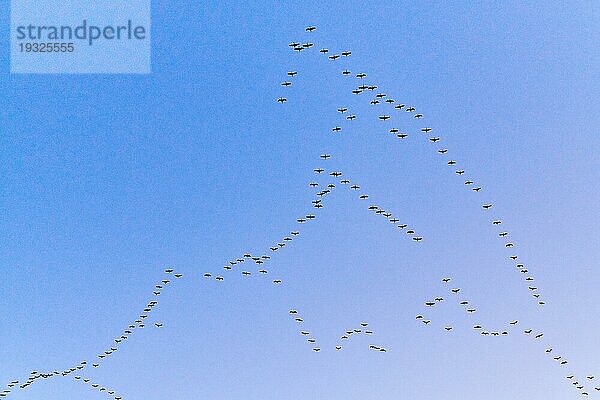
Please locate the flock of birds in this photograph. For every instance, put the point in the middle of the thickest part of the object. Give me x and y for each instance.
(80, 372)
(389, 110)
(504, 331)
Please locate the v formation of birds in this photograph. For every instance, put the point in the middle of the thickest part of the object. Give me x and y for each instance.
(326, 181)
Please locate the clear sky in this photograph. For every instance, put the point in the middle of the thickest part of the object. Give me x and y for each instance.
(106, 180)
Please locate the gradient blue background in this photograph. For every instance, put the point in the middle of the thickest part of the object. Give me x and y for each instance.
(106, 180)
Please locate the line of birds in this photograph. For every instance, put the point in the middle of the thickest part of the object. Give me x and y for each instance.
(470, 309)
(139, 323)
(305, 333)
(263, 260)
(382, 98)
(549, 350)
(346, 335)
(362, 329)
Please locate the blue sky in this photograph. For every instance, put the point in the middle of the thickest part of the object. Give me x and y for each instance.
(109, 179)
